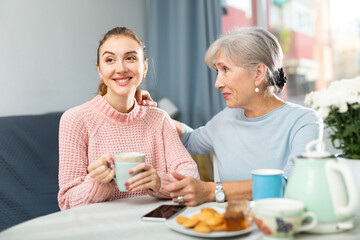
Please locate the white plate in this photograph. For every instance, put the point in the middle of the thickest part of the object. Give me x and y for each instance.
(171, 223)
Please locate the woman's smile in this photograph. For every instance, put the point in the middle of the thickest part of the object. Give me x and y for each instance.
(122, 81)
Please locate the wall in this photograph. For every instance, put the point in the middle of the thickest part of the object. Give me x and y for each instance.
(48, 50)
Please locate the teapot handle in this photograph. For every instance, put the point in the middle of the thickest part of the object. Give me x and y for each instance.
(339, 197)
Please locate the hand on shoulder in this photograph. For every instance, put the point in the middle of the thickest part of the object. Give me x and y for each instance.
(143, 98)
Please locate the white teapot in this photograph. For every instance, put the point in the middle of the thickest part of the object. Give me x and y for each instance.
(327, 188)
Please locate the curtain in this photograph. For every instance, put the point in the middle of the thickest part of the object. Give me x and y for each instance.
(179, 33)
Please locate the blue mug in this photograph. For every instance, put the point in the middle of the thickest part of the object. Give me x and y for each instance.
(268, 183)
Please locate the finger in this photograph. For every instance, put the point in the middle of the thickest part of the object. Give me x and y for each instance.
(141, 184)
(109, 177)
(146, 95)
(141, 95)
(175, 186)
(176, 200)
(95, 165)
(148, 179)
(191, 203)
(109, 158)
(152, 104)
(149, 103)
(103, 176)
(180, 192)
(178, 176)
(98, 171)
(138, 95)
(153, 182)
(141, 187)
(141, 175)
(139, 167)
(187, 201)
(103, 160)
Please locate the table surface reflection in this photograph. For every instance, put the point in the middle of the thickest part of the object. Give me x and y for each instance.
(121, 219)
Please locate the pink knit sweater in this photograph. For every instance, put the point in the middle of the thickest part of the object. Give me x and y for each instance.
(92, 129)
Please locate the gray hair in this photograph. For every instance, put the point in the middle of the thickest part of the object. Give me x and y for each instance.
(247, 47)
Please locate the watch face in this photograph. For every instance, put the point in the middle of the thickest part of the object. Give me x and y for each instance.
(220, 196)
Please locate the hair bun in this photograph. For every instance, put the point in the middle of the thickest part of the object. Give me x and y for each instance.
(281, 78)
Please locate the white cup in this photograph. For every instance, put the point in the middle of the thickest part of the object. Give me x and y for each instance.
(281, 218)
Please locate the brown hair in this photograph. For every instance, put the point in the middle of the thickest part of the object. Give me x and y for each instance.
(117, 31)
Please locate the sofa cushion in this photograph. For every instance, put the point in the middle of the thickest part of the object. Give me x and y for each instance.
(29, 161)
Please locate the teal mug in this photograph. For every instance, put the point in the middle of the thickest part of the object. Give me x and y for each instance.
(124, 162)
(268, 183)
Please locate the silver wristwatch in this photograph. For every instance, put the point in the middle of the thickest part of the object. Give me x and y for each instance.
(219, 193)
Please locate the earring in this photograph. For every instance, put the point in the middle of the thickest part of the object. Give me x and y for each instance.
(256, 89)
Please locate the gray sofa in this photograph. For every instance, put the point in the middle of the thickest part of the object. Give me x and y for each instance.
(28, 167)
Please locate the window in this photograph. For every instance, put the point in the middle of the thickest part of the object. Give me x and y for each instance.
(320, 39)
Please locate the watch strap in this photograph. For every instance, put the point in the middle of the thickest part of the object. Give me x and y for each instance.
(219, 186)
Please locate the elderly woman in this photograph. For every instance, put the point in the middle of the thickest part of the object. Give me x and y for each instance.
(256, 130)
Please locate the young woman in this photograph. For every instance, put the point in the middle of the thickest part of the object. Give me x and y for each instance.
(113, 122)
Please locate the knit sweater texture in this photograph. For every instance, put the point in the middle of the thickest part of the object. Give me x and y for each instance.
(95, 128)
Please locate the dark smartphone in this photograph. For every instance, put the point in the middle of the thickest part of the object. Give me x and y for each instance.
(163, 212)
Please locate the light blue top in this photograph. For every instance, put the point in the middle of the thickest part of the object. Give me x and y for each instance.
(243, 144)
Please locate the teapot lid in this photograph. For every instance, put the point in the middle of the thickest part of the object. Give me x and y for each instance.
(318, 153)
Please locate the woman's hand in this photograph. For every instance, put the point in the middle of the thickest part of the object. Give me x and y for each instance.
(193, 191)
(143, 98)
(102, 170)
(179, 127)
(148, 179)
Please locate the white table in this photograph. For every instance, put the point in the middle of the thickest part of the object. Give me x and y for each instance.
(121, 219)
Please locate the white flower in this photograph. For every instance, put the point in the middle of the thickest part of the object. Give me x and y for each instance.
(309, 99)
(343, 108)
(324, 112)
(338, 95)
(339, 106)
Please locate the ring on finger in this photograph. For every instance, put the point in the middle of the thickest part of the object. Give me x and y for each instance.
(180, 199)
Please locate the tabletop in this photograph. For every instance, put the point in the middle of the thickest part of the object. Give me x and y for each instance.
(121, 219)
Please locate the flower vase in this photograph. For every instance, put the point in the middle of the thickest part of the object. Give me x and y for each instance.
(354, 165)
